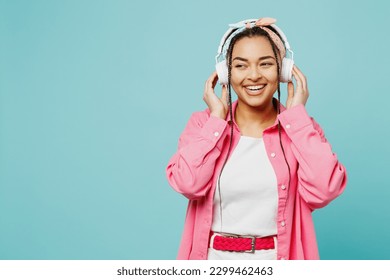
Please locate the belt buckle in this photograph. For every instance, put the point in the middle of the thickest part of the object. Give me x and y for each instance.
(253, 241)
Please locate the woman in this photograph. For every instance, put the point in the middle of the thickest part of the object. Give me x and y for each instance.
(254, 170)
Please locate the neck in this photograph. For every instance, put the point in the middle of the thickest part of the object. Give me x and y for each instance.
(252, 121)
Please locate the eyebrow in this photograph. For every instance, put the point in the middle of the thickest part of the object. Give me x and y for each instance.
(261, 58)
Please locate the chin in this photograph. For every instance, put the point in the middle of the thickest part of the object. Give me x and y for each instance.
(258, 101)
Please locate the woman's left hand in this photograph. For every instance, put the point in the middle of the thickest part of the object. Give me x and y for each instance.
(300, 94)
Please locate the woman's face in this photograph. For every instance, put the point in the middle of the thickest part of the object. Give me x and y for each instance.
(254, 71)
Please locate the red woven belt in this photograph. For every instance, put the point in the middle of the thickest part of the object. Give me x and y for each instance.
(242, 243)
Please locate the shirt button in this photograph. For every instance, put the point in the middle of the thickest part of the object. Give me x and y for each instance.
(288, 126)
(273, 155)
(283, 223)
(283, 187)
(216, 134)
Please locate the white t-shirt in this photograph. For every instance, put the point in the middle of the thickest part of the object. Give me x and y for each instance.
(249, 195)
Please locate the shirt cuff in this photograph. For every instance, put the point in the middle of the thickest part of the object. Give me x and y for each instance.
(213, 129)
(295, 118)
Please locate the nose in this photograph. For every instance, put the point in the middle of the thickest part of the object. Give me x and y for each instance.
(254, 73)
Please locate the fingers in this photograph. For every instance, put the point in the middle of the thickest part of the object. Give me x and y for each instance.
(224, 97)
(300, 78)
(290, 90)
(208, 86)
(300, 93)
(217, 106)
(211, 81)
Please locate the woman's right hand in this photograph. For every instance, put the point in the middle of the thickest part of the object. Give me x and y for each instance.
(218, 106)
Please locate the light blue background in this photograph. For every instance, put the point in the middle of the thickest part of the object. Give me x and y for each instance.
(94, 95)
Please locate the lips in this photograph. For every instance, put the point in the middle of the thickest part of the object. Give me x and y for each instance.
(254, 89)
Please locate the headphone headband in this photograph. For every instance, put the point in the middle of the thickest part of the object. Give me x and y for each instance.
(236, 28)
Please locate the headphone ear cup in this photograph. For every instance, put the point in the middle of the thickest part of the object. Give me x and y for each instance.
(286, 73)
(222, 72)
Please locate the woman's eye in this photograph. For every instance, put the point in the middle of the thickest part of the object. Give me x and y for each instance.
(239, 66)
(266, 64)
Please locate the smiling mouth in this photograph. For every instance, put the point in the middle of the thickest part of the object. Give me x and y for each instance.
(254, 90)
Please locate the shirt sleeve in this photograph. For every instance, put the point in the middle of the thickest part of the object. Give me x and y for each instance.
(191, 168)
(321, 177)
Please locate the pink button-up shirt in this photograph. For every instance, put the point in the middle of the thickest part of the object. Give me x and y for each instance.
(316, 178)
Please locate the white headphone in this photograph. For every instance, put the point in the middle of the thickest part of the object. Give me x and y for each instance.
(220, 59)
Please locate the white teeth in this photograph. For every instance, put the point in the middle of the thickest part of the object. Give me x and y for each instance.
(255, 87)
